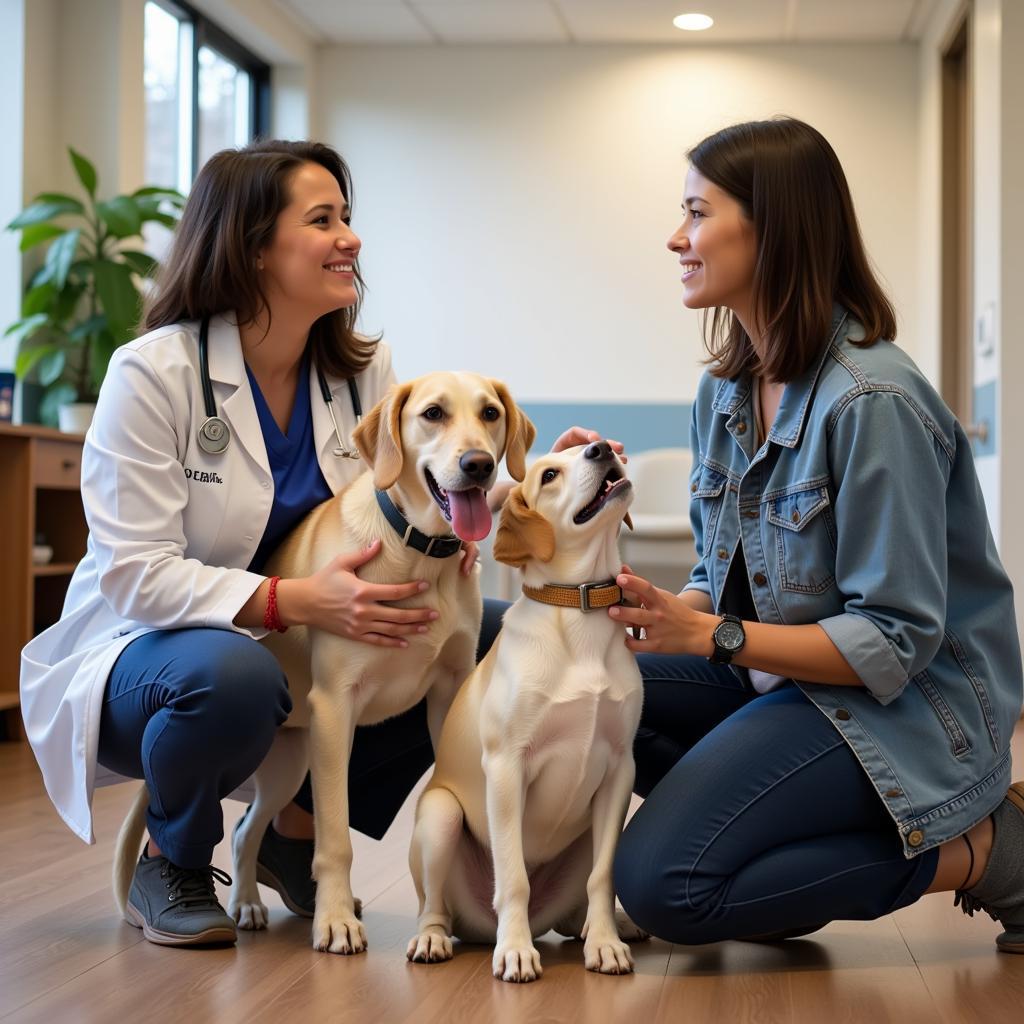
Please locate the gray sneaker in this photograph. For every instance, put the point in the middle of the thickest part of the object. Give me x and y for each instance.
(177, 906)
(1000, 890)
(286, 865)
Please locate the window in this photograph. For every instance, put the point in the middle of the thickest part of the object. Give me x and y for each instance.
(168, 87)
(204, 92)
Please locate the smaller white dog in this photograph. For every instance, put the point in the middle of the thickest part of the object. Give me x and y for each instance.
(516, 831)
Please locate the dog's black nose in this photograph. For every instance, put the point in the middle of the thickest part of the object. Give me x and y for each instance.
(477, 465)
(599, 450)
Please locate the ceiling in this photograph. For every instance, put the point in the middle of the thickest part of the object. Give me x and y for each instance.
(467, 22)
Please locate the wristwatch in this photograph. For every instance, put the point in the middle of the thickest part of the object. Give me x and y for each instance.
(729, 639)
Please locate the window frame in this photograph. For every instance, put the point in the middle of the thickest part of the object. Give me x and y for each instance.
(209, 34)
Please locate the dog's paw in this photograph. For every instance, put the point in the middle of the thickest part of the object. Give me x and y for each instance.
(607, 955)
(338, 933)
(516, 963)
(628, 931)
(249, 915)
(431, 946)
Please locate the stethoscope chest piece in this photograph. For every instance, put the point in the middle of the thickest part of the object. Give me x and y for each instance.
(214, 435)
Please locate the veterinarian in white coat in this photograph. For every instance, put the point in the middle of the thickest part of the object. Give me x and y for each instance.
(152, 670)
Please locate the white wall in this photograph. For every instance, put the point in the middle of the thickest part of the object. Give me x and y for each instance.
(514, 202)
(12, 63)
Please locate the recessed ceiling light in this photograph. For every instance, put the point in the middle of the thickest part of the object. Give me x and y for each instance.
(693, 22)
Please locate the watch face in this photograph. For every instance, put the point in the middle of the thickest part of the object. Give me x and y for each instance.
(729, 635)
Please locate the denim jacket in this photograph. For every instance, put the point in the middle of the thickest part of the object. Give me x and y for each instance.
(862, 512)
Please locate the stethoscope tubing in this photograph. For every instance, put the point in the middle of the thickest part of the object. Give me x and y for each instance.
(214, 435)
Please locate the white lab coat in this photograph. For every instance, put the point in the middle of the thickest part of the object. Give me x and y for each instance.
(171, 531)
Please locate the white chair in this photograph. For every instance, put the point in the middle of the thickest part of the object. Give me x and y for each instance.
(660, 547)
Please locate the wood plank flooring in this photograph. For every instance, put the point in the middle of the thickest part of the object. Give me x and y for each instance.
(66, 956)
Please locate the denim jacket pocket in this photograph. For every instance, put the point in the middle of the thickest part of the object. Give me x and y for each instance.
(709, 489)
(957, 737)
(805, 538)
(960, 653)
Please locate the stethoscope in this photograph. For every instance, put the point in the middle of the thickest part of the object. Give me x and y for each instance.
(214, 434)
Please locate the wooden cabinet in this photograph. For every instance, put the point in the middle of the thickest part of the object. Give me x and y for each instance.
(40, 481)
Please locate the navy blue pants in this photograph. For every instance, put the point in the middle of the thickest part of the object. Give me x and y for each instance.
(194, 712)
(757, 818)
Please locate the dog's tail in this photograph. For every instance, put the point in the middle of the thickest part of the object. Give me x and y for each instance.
(129, 842)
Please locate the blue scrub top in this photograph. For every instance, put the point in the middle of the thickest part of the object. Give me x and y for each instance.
(299, 484)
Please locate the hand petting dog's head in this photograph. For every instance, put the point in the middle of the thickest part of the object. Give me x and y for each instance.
(566, 501)
(439, 439)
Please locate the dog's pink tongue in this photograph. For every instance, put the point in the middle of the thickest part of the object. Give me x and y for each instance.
(471, 518)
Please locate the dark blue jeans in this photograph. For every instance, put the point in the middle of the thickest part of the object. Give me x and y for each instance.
(194, 711)
(757, 818)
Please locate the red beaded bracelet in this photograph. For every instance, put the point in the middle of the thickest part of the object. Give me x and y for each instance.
(271, 618)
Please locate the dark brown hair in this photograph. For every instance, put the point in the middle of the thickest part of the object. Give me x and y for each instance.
(230, 216)
(791, 186)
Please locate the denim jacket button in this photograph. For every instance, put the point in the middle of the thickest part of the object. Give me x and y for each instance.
(916, 838)
(843, 715)
(741, 427)
(693, 488)
(760, 579)
(722, 553)
(796, 516)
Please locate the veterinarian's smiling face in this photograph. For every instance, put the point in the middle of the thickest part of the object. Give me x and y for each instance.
(716, 246)
(309, 267)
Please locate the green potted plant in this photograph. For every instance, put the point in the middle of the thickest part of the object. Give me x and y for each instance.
(83, 301)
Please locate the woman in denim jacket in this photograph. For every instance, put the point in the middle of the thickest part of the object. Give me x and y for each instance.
(829, 702)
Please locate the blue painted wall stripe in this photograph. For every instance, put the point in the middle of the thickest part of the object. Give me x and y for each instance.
(639, 426)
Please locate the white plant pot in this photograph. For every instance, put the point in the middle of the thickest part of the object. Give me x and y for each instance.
(75, 417)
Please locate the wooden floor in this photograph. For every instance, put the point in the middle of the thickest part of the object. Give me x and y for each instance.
(66, 956)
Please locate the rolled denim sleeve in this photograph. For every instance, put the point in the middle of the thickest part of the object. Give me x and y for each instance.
(699, 574)
(890, 469)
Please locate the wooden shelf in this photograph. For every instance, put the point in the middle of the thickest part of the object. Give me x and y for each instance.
(54, 569)
(40, 472)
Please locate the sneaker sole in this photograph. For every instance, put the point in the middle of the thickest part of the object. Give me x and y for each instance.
(209, 937)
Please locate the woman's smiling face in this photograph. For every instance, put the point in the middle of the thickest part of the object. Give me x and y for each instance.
(311, 259)
(716, 245)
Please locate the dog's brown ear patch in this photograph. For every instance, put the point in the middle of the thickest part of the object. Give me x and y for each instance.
(520, 432)
(379, 436)
(523, 533)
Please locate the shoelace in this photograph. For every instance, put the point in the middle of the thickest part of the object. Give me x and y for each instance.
(193, 886)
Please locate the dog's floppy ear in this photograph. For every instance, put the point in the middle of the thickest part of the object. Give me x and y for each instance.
(523, 533)
(519, 432)
(379, 436)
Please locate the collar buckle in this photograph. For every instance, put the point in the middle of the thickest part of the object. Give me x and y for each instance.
(584, 589)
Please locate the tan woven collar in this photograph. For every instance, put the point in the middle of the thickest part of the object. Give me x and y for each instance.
(586, 596)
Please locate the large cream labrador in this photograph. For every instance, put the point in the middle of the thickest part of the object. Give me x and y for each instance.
(433, 445)
(516, 830)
